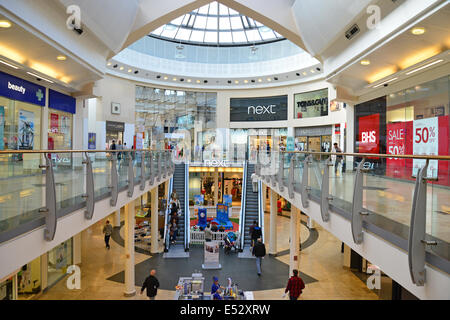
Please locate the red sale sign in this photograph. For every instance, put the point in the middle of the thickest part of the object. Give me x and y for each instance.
(395, 144)
(54, 125)
(369, 134)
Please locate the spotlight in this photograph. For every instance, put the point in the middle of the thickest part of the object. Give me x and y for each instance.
(275, 78)
(318, 69)
(253, 80)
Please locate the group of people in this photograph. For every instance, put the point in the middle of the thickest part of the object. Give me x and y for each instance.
(174, 206)
(118, 146)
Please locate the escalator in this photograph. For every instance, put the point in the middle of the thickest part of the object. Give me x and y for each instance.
(179, 183)
(251, 210)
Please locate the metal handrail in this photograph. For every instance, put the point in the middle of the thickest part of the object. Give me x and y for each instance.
(77, 151)
(166, 243)
(243, 199)
(372, 155)
(261, 207)
(187, 215)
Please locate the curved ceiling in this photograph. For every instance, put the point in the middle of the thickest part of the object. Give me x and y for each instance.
(216, 24)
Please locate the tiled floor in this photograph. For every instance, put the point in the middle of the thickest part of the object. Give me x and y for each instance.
(322, 261)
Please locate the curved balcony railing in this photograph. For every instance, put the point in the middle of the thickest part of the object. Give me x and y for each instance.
(39, 186)
(405, 200)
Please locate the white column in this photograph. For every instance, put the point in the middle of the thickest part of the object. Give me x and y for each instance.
(273, 223)
(130, 289)
(44, 271)
(294, 254)
(154, 227)
(216, 186)
(117, 218)
(166, 189)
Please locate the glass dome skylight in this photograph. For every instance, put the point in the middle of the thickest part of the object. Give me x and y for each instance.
(216, 24)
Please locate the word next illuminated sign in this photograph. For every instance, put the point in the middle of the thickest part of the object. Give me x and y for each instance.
(258, 109)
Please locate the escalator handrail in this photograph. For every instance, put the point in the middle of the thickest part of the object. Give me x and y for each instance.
(242, 213)
(166, 222)
(187, 216)
(261, 209)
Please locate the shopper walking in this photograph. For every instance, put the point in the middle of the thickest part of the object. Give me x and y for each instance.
(107, 230)
(255, 232)
(294, 286)
(208, 233)
(259, 251)
(338, 158)
(151, 283)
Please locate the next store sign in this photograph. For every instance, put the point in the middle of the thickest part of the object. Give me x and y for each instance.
(21, 90)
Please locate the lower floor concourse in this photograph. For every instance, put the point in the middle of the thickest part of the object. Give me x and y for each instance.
(321, 266)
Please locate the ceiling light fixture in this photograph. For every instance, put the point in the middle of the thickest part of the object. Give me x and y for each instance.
(417, 31)
(268, 79)
(385, 82)
(174, 79)
(165, 78)
(237, 81)
(5, 24)
(61, 57)
(129, 70)
(8, 64)
(312, 71)
(245, 81)
(121, 68)
(39, 77)
(365, 62)
(305, 73)
(108, 64)
(189, 80)
(198, 81)
(424, 67)
(259, 80)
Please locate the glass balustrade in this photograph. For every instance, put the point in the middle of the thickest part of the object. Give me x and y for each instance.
(23, 183)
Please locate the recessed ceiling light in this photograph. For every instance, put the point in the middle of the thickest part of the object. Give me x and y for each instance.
(9, 65)
(305, 73)
(165, 78)
(237, 81)
(365, 62)
(424, 66)
(245, 81)
(312, 71)
(108, 64)
(174, 79)
(5, 24)
(198, 81)
(61, 57)
(39, 77)
(259, 80)
(121, 68)
(129, 70)
(268, 79)
(418, 31)
(189, 80)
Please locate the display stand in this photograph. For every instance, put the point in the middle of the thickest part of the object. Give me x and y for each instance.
(211, 256)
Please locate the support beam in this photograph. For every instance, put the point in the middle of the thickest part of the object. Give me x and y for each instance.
(273, 223)
(294, 247)
(130, 289)
(117, 218)
(154, 228)
(216, 186)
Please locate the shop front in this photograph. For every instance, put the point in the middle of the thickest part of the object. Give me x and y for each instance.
(311, 104)
(59, 259)
(314, 139)
(114, 132)
(411, 121)
(21, 104)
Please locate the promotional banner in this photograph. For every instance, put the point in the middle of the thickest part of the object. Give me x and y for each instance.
(290, 144)
(395, 144)
(26, 130)
(228, 200)
(369, 134)
(54, 122)
(311, 104)
(211, 255)
(92, 144)
(2, 127)
(139, 141)
(426, 142)
(202, 217)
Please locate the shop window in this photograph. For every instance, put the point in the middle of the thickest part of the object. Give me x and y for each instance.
(59, 258)
(311, 104)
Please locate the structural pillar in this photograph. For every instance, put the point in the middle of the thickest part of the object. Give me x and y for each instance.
(154, 220)
(130, 289)
(294, 247)
(117, 218)
(216, 186)
(273, 223)
(166, 190)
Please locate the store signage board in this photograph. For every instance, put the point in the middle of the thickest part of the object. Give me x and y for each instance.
(258, 109)
(2, 127)
(311, 104)
(61, 102)
(21, 90)
(313, 131)
(218, 163)
(114, 126)
(369, 134)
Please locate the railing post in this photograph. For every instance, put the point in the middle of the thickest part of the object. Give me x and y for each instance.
(163, 154)
(151, 169)
(280, 175)
(130, 176)
(417, 229)
(142, 186)
(291, 176)
(159, 167)
(273, 176)
(114, 180)
(89, 196)
(305, 188)
(357, 209)
(325, 196)
(50, 200)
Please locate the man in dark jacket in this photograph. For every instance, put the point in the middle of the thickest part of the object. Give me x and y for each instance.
(259, 251)
(151, 284)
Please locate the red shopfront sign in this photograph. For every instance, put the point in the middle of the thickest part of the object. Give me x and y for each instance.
(369, 134)
(54, 122)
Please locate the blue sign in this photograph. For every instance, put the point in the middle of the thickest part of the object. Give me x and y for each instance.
(228, 200)
(62, 102)
(222, 218)
(290, 144)
(92, 144)
(21, 90)
(202, 217)
(2, 127)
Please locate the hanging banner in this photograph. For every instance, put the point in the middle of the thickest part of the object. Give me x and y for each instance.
(92, 144)
(426, 142)
(54, 122)
(26, 130)
(2, 127)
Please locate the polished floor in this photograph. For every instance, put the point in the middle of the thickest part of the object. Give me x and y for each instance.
(322, 261)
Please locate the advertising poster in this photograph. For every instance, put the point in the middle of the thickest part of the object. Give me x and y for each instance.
(92, 144)
(211, 255)
(54, 122)
(198, 200)
(139, 141)
(26, 130)
(395, 144)
(290, 144)
(228, 200)
(202, 217)
(426, 142)
(2, 127)
(311, 104)
(369, 134)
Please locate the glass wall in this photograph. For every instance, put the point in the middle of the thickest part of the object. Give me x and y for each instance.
(60, 135)
(59, 258)
(29, 278)
(311, 104)
(168, 117)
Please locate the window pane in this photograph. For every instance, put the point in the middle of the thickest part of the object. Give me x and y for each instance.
(204, 9)
(177, 21)
(239, 36)
(213, 8)
(210, 36)
(236, 23)
(158, 31)
(223, 10)
(183, 34)
(197, 36)
(169, 33)
(200, 22)
(224, 24)
(267, 35)
(253, 35)
(225, 37)
(212, 23)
